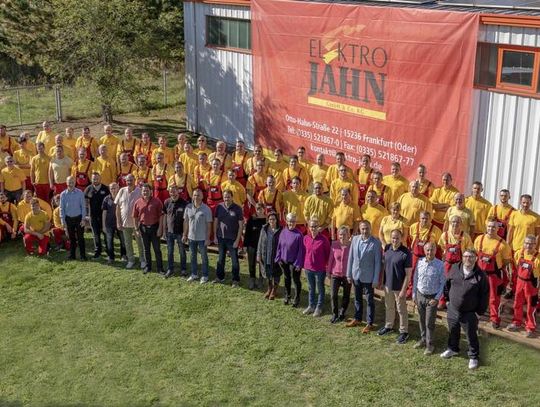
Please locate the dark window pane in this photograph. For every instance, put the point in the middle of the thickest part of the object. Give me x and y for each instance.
(233, 33)
(485, 72)
(517, 67)
(228, 32)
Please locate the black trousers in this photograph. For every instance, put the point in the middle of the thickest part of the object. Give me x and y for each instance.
(252, 261)
(289, 271)
(96, 222)
(338, 282)
(109, 234)
(76, 235)
(151, 240)
(469, 322)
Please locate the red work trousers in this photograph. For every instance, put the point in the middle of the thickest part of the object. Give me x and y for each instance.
(29, 241)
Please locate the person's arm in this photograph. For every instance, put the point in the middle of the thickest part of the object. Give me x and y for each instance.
(239, 234)
(299, 263)
(415, 282)
(442, 282)
(51, 176)
(160, 225)
(403, 291)
(333, 228)
(260, 243)
(209, 233)
(118, 218)
(350, 262)
(381, 235)
(377, 265)
(185, 230)
(32, 172)
(104, 216)
(82, 204)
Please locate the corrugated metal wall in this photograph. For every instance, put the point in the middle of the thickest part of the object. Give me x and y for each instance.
(506, 130)
(219, 99)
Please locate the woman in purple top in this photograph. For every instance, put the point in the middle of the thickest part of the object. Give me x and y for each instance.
(315, 260)
(290, 257)
(337, 272)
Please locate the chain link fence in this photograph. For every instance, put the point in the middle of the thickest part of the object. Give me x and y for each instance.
(53, 102)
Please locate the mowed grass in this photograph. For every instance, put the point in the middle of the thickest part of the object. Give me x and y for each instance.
(87, 334)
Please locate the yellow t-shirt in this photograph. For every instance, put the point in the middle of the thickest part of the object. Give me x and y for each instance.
(442, 195)
(47, 138)
(251, 165)
(40, 167)
(501, 212)
(293, 202)
(57, 222)
(467, 218)
(61, 169)
(13, 178)
(179, 181)
(112, 144)
(91, 142)
(318, 174)
(24, 208)
(320, 207)
(106, 169)
(85, 166)
(374, 214)
(411, 206)
(69, 147)
(345, 215)
(143, 175)
(398, 186)
(165, 170)
(416, 232)
(517, 258)
(388, 224)
(480, 208)
(37, 222)
(189, 161)
(271, 198)
(168, 155)
(226, 160)
(7, 143)
(68, 152)
(426, 187)
(127, 146)
(384, 192)
(23, 157)
(200, 173)
(306, 164)
(488, 246)
(336, 187)
(238, 190)
(12, 209)
(449, 238)
(523, 224)
(301, 172)
(332, 173)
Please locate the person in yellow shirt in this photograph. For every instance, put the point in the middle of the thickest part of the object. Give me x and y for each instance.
(105, 165)
(333, 171)
(413, 202)
(82, 169)
(343, 182)
(321, 207)
(200, 172)
(69, 142)
(363, 177)
(426, 186)
(302, 160)
(59, 141)
(12, 180)
(57, 231)
(202, 146)
(222, 155)
(271, 197)
(89, 143)
(125, 167)
(188, 159)
(128, 145)
(494, 255)
(256, 183)
(59, 170)
(46, 136)
(278, 165)
(238, 190)
(9, 221)
(317, 173)
(383, 192)
(36, 228)
(22, 158)
(528, 274)
(239, 161)
(293, 202)
(39, 172)
(182, 181)
(7, 144)
(251, 164)
(145, 147)
(442, 198)
(295, 170)
(479, 207)
(502, 212)
(396, 182)
(3, 156)
(142, 172)
(168, 153)
(161, 173)
(24, 207)
(463, 212)
(110, 140)
(372, 211)
(392, 222)
(346, 213)
(179, 148)
(212, 185)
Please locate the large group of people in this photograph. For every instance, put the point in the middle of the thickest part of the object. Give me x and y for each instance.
(361, 229)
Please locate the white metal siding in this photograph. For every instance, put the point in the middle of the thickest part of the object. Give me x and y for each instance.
(219, 99)
(506, 130)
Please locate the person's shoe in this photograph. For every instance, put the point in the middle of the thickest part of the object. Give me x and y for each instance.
(341, 317)
(495, 325)
(96, 255)
(161, 272)
(260, 282)
(130, 265)
(402, 338)
(448, 353)
(71, 257)
(473, 364)
(124, 258)
(308, 310)
(183, 273)
(146, 270)
(352, 323)
(529, 334)
(84, 258)
(384, 330)
(251, 283)
(367, 329)
(429, 350)
(218, 281)
(334, 319)
(109, 260)
(296, 304)
(204, 280)
(512, 328)
(169, 273)
(191, 278)
(235, 284)
(286, 300)
(419, 344)
(318, 312)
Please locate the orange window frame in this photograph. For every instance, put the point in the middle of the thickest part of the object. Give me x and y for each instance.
(522, 89)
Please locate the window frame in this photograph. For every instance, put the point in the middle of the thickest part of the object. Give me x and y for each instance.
(225, 47)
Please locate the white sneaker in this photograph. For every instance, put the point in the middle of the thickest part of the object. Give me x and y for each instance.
(308, 310)
(191, 278)
(448, 353)
(204, 280)
(130, 265)
(318, 312)
(473, 364)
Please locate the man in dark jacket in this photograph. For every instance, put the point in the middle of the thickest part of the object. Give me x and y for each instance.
(467, 291)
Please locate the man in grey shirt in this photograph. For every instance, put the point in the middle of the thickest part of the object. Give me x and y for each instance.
(197, 228)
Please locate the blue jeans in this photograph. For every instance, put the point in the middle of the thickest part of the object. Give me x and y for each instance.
(359, 289)
(171, 240)
(316, 283)
(224, 246)
(194, 247)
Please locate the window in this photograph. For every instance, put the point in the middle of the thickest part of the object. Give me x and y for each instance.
(224, 32)
(511, 69)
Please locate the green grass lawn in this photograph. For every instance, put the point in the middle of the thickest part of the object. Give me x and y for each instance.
(87, 334)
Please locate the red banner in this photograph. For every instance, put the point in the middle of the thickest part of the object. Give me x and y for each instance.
(394, 83)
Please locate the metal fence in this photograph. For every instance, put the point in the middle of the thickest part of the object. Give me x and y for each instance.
(53, 102)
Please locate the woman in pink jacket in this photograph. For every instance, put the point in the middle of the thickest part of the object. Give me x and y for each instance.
(337, 272)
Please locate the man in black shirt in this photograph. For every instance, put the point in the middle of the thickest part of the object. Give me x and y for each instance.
(467, 291)
(110, 224)
(95, 194)
(173, 209)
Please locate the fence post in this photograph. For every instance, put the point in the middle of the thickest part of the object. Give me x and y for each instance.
(58, 99)
(19, 107)
(165, 87)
